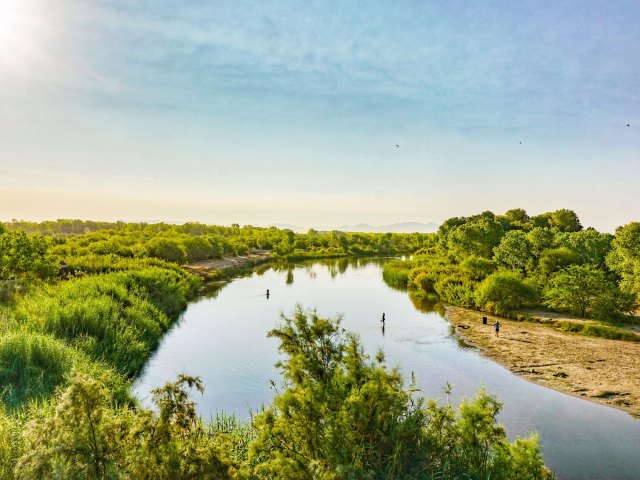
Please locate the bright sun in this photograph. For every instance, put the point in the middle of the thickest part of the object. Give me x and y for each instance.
(18, 32)
(8, 19)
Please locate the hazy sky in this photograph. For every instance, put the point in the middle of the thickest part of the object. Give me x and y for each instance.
(290, 112)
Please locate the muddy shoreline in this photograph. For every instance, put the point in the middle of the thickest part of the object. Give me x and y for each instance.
(597, 369)
(208, 268)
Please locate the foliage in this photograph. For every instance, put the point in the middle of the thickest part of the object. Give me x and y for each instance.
(342, 415)
(554, 259)
(540, 240)
(23, 255)
(194, 241)
(541, 250)
(455, 290)
(32, 365)
(586, 290)
(564, 220)
(589, 246)
(624, 257)
(117, 317)
(90, 437)
(396, 272)
(478, 237)
(502, 292)
(478, 268)
(514, 251)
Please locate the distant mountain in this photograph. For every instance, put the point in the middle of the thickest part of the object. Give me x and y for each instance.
(404, 227)
(288, 226)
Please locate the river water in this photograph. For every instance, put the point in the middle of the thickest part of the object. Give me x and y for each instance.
(222, 339)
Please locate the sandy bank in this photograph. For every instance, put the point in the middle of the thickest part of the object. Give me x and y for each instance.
(605, 371)
(203, 267)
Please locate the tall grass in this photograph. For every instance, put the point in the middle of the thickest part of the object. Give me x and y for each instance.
(117, 317)
(104, 325)
(396, 273)
(595, 330)
(32, 365)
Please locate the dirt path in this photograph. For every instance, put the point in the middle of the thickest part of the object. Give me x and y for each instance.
(605, 371)
(203, 267)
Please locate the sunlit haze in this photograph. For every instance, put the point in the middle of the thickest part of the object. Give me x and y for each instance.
(318, 113)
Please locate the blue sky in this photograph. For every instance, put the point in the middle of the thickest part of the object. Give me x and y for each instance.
(290, 112)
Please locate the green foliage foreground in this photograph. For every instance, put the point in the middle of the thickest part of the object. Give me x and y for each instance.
(103, 325)
(339, 415)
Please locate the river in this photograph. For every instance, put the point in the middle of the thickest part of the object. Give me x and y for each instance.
(222, 339)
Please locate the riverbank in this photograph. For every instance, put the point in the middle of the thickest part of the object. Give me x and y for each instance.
(598, 369)
(208, 268)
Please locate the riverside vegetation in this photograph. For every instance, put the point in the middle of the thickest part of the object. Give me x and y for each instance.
(504, 263)
(84, 304)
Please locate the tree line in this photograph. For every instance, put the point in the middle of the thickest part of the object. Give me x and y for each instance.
(501, 263)
(72, 239)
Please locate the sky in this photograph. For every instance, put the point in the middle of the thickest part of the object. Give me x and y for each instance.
(318, 112)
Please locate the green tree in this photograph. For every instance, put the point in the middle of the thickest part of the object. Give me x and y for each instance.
(516, 217)
(88, 437)
(556, 258)
(174, 443)
(624, 257)
(502, 292)
(540, 239)
(478, 237)
(83, 439)
(478, 268)
(585, 290)
(167, 249)
(23, 255)
(589, 245)
(340, 416)
(514, 251)
(565, 220)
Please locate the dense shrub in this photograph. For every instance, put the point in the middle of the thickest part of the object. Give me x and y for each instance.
(503, 291)
(32, 365)
(117, 317)
(456, 291)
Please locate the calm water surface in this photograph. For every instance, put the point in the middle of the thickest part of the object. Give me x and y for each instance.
(223, 340)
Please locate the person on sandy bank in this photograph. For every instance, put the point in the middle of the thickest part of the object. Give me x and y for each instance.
(497, 327)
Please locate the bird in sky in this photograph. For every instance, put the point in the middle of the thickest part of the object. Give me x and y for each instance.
(628, 125)
(398, 146)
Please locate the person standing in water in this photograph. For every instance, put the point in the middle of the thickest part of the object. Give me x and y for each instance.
(497, 327)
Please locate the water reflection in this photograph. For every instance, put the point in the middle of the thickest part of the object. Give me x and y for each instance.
(223, 340)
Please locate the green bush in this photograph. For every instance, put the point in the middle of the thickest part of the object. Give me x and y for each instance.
(396, 273)
(478, 268)
(455, 291)
(503, 291)
(342, 415)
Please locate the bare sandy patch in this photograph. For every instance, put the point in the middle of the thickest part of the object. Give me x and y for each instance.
(601, 370)
(204, 266)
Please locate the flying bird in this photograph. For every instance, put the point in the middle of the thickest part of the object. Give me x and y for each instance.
(628, 125)
(398, 146)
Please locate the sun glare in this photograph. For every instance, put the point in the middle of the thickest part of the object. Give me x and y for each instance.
(18, 32)
(9, 19)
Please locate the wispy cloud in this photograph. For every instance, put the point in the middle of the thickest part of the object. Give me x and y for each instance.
(194, 89)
